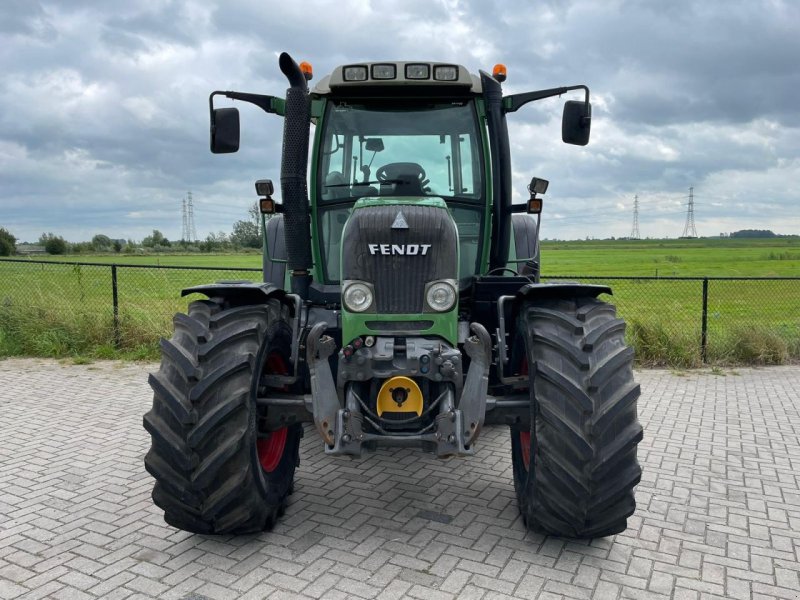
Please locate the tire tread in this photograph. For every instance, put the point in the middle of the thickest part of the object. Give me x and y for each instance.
(585, 432)
(203, 423)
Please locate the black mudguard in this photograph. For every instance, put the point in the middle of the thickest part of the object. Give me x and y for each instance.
(526, 244)
(238, 293)
(567, 289)
(275, 255)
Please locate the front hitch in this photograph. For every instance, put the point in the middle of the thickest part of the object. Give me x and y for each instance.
(457, 424)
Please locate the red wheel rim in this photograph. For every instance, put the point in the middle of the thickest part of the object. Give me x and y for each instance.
(523, 368)
(525, 436)
(276, 365)
(270, 448)
(525, 444)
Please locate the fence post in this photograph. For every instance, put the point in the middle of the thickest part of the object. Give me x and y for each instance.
(704, 324)
(115, 301)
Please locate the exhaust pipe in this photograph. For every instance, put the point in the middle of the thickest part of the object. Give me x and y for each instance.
(294, 169)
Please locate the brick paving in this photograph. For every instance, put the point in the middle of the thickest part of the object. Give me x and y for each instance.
(718, 507)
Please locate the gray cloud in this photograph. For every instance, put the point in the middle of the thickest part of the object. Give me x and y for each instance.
(104, 127)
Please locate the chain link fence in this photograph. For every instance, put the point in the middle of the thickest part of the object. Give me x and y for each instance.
(690, 321)
(50, 308)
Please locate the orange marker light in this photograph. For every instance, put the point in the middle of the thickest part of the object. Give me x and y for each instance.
(306, 69)
(499, 72)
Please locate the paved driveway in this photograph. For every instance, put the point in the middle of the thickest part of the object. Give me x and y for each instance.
(718, 515)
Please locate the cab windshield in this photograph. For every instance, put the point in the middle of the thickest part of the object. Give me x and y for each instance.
(383, 149)
(426, 149)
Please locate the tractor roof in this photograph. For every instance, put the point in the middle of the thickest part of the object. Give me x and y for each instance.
(435, 78)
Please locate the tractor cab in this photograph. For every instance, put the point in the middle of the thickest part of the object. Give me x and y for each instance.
(388, 150)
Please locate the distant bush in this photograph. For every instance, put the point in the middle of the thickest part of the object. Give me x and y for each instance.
(53, 244)
(753, 233)
(783, 256)
(8, 243)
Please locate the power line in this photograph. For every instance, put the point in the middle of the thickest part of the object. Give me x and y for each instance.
(635, 231)
(689, 230)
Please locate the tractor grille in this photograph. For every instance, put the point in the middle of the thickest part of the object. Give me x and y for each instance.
(399, 325)
(400, 261)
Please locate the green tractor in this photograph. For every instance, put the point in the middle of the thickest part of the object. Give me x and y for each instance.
(401, 306)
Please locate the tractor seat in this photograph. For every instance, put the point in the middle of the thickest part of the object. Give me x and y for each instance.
(335, 186)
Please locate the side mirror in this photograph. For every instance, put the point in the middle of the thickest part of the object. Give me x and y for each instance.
(576, 122)
(224, 130)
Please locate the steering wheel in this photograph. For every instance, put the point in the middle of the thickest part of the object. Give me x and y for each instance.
(400, 170)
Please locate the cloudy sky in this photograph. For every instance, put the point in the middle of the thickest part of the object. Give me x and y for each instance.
(104, 126)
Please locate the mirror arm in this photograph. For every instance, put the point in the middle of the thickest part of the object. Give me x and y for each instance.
(516, 101)
(269, 104)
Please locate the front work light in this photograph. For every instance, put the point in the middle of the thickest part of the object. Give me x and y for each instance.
(441, 296)
(538, 186)
(355, 73)
(357, 296)
(266, 204)
(445, 73)
(384, 72)
(264, 187)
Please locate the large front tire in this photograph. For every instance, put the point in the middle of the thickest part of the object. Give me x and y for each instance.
(575, 469)
(215, 471)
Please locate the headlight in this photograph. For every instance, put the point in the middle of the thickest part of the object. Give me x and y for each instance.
(441, 296)
(357, 297)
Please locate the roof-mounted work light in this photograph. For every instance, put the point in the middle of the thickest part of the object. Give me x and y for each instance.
(418, 71)
(384, 71)
(445, 73)
(354, 73)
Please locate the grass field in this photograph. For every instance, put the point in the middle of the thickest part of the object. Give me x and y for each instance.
(65, 310)
(724, 257)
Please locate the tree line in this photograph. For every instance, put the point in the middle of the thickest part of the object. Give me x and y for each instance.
(244, 234)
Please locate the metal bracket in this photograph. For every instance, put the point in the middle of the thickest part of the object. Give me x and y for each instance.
(502, 348)
(325, 402)
(472, 404)
(348, 433)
